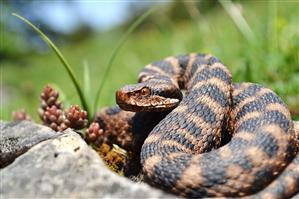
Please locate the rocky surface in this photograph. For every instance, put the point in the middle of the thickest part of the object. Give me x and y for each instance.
(17, 137)
(62, 166)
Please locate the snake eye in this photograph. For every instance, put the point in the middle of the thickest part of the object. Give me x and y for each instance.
(145, 91)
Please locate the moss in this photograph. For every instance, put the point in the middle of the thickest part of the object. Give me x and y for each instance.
(114, 157)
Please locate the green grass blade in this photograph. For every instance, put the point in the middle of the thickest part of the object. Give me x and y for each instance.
(63, 61)
(198, 19)
(116, 50)
(86, 80)
(239, 20)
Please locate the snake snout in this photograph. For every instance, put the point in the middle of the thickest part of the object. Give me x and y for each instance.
(120, 97)
(130, 101)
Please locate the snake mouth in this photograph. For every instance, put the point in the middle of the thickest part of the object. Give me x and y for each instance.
(153, 103)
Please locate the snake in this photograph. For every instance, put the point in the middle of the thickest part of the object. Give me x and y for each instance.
(219, 139)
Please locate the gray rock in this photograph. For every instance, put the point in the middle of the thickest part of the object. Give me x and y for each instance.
(67, 167)
(17, 137)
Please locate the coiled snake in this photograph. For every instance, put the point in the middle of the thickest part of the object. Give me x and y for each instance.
(220, 139)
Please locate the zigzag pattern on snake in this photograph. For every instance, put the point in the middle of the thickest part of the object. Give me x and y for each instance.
(220, 139)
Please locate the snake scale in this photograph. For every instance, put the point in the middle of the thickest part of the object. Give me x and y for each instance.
(220, 139)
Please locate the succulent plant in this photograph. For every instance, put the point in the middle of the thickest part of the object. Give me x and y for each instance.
(75, 117)
(50, 110)
(20, 115)
(53, 117)
(49, 97)
(94, 134)
(52, 114)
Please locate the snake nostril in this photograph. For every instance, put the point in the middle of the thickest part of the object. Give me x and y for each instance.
(119, 96)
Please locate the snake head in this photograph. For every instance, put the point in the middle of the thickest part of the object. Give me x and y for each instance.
(141, 97)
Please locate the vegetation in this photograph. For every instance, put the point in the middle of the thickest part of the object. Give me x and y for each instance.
(262, 47)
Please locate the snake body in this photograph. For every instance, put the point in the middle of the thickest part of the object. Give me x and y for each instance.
(220, 139)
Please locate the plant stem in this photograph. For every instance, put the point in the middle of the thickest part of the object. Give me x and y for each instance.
(116, 50)
(64, 63)
(239, 20)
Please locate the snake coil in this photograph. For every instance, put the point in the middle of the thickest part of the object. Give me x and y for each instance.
(188, 153)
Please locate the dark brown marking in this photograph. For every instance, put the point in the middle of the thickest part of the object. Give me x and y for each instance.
(191, 177)
(150, 163)
(170, 143)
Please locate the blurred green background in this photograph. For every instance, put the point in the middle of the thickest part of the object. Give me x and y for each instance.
(257, 40)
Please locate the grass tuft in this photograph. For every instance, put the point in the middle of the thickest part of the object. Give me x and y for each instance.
(240, 21)
(115, 51)
(86, 78)
(63, 61)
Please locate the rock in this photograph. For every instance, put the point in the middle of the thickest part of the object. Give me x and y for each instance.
(66, 167)
(17, 137)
